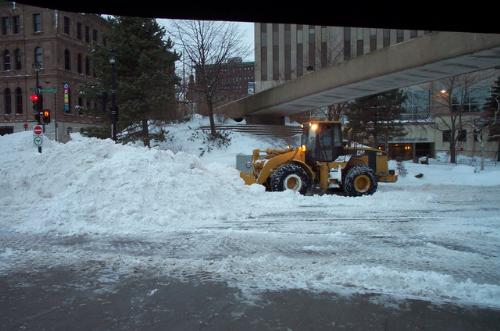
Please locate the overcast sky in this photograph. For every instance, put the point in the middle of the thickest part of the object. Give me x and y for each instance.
(246, 29)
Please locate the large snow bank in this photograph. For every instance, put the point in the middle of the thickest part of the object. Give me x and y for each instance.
(94, 185)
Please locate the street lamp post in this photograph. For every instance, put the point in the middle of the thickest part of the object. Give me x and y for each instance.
(114, 107)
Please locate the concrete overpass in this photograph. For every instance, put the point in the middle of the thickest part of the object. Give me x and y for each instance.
(424, 59)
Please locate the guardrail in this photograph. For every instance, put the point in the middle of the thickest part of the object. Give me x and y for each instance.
(280, 131)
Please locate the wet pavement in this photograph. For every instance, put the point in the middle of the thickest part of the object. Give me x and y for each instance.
(74, 298)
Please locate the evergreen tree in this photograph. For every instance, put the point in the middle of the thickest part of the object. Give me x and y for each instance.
(145, 75)
(373, 119)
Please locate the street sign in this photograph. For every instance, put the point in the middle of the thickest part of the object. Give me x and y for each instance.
(37, 130)
(46, 90)
(38, 140)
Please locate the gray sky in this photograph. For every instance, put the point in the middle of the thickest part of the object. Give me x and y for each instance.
(245, 28)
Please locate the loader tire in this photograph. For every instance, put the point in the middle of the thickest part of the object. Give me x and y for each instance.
(290, 176)
(359, 180)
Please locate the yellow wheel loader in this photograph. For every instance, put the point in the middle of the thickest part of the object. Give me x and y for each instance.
(323, 161)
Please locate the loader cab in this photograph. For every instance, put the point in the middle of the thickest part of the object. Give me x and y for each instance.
(322, 141)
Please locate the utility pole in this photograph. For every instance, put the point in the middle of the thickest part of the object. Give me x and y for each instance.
(37, 67)
(114, 107)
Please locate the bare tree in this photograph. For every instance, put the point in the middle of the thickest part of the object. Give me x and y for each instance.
(451, 108)
(207, 47)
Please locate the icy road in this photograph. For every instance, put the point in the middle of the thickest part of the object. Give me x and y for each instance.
(95, 206)
(447, 251)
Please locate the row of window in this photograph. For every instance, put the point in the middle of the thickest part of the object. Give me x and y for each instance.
(11, 24)
(7, 100)
(79, 63)
(38, 52)
(79, 35)
(7, 60)
(17, 94)
(325, 54)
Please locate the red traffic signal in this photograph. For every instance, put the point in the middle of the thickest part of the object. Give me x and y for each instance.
(34, 98)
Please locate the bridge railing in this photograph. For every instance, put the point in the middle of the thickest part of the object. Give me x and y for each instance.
(280, 131)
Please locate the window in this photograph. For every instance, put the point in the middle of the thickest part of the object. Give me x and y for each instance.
(79, 63)
(80, 105)
(312, 47)
(324, 46)
(347, 43)
(387, 38)
(16, 24)
(359, 42)
(7, 102)
(94, 35)
(87, 66)
(288, 53)
(400, 36)
(300, 51)
(461, 135)
(263, 51)
(37, 23)
(472, 100)
(5, 25)
(6, 60)
(275, 52)
(39, 55)
(19, 100)
(66, 24)
(373, 40)
(79, 30)
(87, 34)
(416, 105)
(67, 59)
(17, 59)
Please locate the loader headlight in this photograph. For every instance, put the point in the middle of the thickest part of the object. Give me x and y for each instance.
(303, 148)
(314, 127)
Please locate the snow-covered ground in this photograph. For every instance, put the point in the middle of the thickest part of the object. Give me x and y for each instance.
(435, 238)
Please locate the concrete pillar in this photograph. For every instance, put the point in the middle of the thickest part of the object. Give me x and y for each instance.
(293, 67)
(281, 46)
(257, 38)
(380, 38)
(269, 52)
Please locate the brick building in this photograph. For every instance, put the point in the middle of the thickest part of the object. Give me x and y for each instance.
(60, 41)
(235, 82)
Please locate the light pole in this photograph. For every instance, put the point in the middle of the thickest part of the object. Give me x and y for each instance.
(114, 107)
(37, 66)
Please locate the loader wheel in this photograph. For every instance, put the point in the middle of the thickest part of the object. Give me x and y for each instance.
(290, 177)
(360, 180)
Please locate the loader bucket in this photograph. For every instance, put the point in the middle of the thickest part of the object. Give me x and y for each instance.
(248, 177)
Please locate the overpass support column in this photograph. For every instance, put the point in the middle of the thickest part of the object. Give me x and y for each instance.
(271, 120)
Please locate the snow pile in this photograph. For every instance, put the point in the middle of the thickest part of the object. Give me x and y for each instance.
(92, 185)
(447, 174)
(183, 137)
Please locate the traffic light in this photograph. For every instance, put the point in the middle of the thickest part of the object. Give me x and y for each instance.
(37, 101)
(46, 116)
(34, 99)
